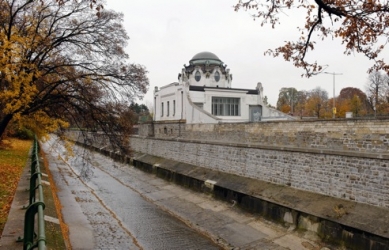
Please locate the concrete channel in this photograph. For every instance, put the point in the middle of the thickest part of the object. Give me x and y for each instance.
(103, 212)
(337, 222)
(121, 207)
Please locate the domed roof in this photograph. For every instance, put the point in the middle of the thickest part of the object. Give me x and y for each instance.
(205, 55)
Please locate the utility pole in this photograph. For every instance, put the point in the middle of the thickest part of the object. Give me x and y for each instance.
(333, 88)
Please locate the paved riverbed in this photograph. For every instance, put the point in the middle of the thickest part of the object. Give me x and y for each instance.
(108, 205)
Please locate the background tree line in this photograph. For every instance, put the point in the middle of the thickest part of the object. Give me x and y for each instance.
(317, 103)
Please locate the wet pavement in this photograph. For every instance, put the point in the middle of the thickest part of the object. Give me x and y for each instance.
(109, 205)
(109, 214)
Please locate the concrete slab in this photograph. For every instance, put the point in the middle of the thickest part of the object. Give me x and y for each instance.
(240, 234)
(159, 195)
(271, 231)
(295, 243)
(196, 199)
(213, 206)
(239, 216)
(168, 186)
(213, 221)
(156, 182)
(186, 211)
(45, 183)
(52, 219)
(142, 189)
(263, 245)
(80, 231)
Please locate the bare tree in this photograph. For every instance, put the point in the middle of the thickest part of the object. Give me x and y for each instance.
(377, 89)
(302, 96)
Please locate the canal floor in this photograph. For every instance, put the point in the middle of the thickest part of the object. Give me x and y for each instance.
(109, 205)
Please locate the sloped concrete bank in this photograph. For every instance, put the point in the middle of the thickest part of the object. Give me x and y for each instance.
(336, 221)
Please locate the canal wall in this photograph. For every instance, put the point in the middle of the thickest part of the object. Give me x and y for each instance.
(347, 135)
(347, 159)
(263, 178)
(344, 224)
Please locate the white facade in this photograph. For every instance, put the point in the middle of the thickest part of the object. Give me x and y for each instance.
(204, 95)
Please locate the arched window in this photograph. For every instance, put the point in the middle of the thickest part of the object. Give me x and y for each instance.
(197, 76)
(217, 76)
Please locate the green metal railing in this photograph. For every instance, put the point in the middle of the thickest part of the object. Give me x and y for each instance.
(36, 206)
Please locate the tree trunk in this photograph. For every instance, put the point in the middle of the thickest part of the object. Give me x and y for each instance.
(4, 124)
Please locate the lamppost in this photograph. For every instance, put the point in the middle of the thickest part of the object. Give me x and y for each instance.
(333, 88)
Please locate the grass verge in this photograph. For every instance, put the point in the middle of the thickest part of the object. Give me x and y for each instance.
(13, 159)
(14, 154)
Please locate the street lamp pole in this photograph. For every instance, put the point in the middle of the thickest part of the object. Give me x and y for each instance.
(333, 89)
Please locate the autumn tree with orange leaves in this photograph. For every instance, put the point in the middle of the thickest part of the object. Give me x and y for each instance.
(352, 100)
(317, 102)
(62, 64)
(362, 26)
(287, 99)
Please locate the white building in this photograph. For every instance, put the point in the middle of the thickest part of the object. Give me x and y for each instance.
(203, 94)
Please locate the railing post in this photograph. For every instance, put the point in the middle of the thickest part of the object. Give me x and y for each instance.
(35, 207)
(29, 224)
(33, 187)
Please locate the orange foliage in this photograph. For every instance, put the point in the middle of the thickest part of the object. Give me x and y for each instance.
(360, 25)
(45, 88)
(285, 108)
(12, 162)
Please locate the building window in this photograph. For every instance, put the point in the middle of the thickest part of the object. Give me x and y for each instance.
(225, 106)
(161, 109)
(217, 76)
(197, 76)
(174, 107)
(167, 108)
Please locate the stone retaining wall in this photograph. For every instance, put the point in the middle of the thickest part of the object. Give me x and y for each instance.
(347, 159)
(346, 224)
(359, 179)
(356, 135)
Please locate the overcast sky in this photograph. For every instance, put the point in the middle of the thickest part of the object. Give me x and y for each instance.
(165, 35)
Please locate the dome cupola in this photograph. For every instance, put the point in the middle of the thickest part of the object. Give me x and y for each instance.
(206, 69)
(205, 57)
